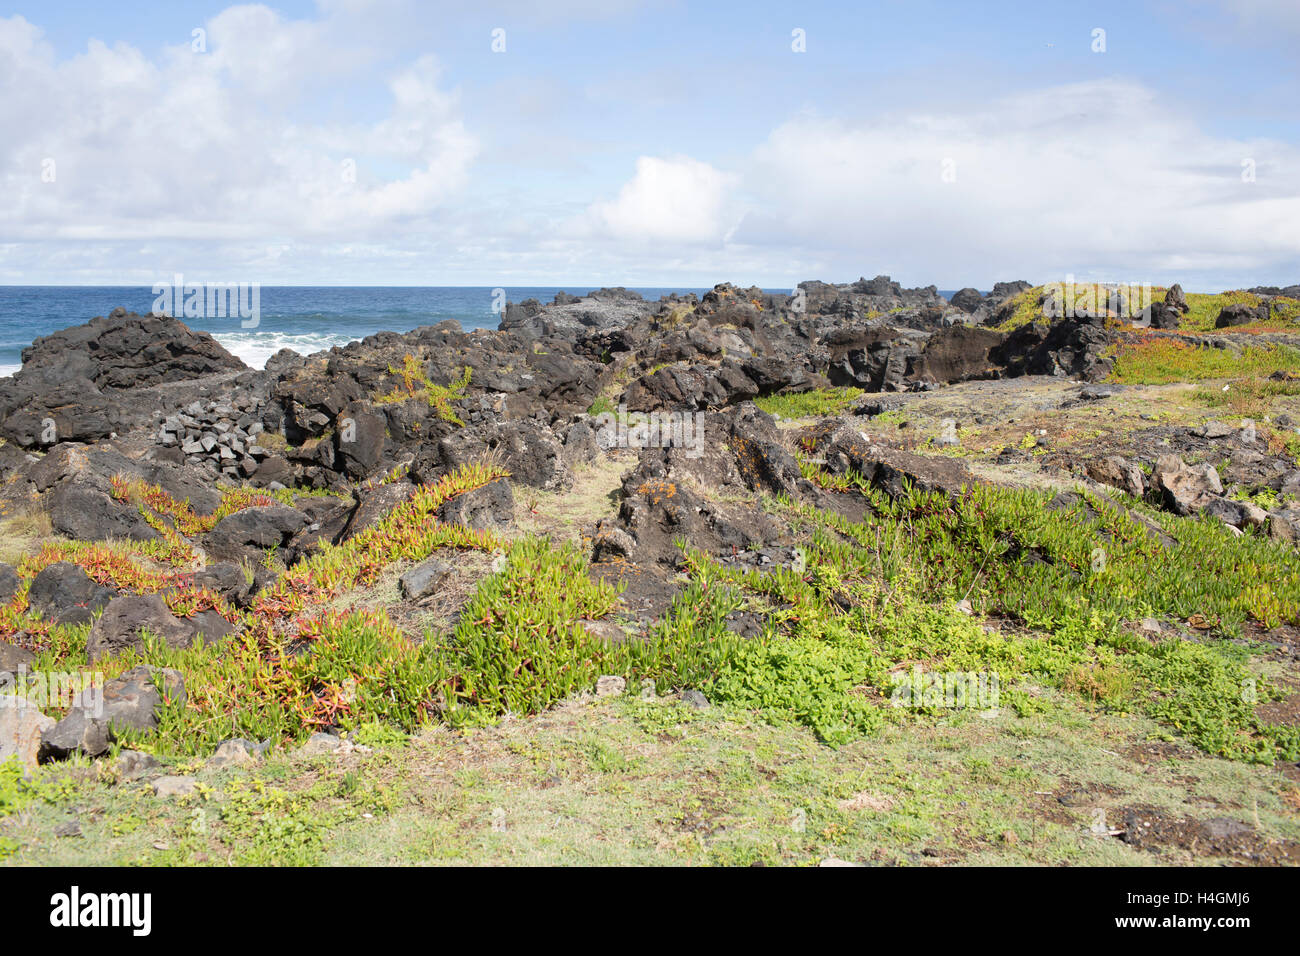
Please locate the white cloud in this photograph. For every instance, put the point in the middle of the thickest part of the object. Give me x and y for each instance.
(231, 162)
(669, 200)
(1096, 177)
(205, 145)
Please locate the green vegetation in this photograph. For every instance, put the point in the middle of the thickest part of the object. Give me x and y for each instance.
(521, 644)
(341, 669)
(869, 610)
(653, 782)
(19, 791)
(1204, 310)
(415, 380)
(816, 403)
(872, 598)
(1025, 309)
(1077, 570)
(1163, 361)
(1247, 397)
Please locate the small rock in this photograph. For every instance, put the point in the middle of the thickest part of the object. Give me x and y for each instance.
(319, 744)
(1217, 430)
(694, 699)
(174, 786)
(12, 657)
(237, 753)
(1223, 828)
(21, 727)
(610, 686)
(606, 631)
(133, 763)
(1092, 393)
(1149, 627)
(70, 829)
(423, 579)
(1253, 516)
(79, 732)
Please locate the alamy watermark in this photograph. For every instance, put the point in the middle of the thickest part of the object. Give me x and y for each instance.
(73, 909)
(60, 689)
(944, 689)
(652, 430)
(1121, 300)
(209, 300)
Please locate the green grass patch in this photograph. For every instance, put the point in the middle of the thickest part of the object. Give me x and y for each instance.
(1077, 569)
(1163, 361)
(816, 403)
(1246, 397)
(1204, 309)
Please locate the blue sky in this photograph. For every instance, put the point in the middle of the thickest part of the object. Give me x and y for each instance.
(650, 144)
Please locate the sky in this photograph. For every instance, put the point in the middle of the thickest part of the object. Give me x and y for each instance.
(603, 142)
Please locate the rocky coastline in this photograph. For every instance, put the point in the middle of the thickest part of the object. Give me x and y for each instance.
(228, 481)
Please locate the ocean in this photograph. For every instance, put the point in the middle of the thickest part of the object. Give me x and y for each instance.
(303, 318)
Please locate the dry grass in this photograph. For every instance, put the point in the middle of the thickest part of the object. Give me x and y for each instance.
(572, 515)
(23, 532)
(628, 782)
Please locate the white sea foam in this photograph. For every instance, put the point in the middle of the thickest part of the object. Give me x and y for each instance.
(254, 348)
(9, 369)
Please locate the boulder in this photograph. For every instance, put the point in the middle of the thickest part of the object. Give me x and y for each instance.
(328, 522)
(490, 507)
(226, 580)
(893, 470)
(968, 300)
(273, 468)
(126, 620)
(1006, 290)
(87, 514)
(359, 441)
(957, 354)
(372, 505)
(134, 699)
(1118, 473)
(1175, 299)
(64, 593)
(126, 350)
(79, 732)
(1164, 316)
(10, 582)
(254, 529)
(1239, 313)
(1184, 489)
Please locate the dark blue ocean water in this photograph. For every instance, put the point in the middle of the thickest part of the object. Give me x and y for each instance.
(303, 318)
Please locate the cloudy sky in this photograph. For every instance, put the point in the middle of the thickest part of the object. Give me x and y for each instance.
(407, 142)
